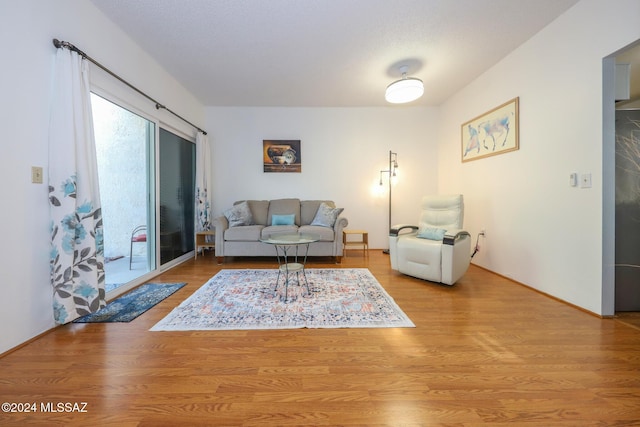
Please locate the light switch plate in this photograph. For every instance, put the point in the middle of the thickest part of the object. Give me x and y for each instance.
(36, 174)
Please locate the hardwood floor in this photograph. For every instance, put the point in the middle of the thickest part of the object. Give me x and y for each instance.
(630, 318)
(484, 352)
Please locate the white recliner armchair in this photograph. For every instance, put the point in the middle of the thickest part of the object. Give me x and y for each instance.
(437, 249)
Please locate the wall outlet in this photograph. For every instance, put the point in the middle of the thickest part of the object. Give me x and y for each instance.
(36, 174)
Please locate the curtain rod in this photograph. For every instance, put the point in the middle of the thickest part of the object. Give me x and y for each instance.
(62, 44)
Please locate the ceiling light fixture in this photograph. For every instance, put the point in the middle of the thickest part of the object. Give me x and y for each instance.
(406, 89)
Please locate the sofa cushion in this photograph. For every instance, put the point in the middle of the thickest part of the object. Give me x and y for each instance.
(244, 233)
(326, 215)
(239, 214)
(284, 207)
(278, 229)
(326, 234)
(309, 208)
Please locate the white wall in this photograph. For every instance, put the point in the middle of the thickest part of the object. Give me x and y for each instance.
(540, 231)
(343, 151)
(27, 27)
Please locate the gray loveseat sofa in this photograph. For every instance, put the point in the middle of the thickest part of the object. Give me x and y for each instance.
(239, 230)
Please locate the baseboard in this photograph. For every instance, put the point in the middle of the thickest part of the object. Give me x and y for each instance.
(600, 316)
(29, 341)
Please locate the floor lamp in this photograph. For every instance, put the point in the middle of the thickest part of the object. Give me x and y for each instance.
(393, 165)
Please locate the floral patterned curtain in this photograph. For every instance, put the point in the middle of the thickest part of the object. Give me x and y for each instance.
(203, 206)
(77, 257)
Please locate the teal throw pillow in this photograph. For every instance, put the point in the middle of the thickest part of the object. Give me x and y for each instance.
(326, 215)
(431, 233)
(283, 219)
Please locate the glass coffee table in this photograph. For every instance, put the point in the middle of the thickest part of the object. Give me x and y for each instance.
(291, 251)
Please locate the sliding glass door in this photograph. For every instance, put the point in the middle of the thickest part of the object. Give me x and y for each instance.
(147, 193)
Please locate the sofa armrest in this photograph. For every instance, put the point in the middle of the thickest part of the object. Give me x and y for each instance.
(338, 227)
(456, 255)
(394, 235)
(221, 224)
(396, 229)
(341, 222)
(453, 235)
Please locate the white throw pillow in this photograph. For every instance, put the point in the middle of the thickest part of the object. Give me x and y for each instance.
(239, 214)
(326, 215)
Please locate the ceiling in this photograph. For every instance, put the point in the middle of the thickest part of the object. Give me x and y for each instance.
(326, 53)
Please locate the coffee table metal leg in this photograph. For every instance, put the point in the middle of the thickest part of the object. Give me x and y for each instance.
(286, 281)
(284, 270)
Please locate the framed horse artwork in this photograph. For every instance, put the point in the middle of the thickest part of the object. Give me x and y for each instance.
(494, 132)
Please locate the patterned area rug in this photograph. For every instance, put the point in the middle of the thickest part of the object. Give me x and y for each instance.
(245, 299)
(132, 304)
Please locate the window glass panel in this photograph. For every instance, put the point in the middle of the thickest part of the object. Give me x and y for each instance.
(124, 143)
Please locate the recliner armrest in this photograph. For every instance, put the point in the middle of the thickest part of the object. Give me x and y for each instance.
(451, 236)
(395, 230)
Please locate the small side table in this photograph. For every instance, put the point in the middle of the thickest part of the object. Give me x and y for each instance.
(201, 240)
(364, 240)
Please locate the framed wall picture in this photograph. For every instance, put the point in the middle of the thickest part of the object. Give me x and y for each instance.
(281, 155)
(494, 132)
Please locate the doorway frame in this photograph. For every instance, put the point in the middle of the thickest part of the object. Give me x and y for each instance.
(608, 289)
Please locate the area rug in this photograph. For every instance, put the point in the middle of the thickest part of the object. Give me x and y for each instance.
(245, 299)
(132, 304)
